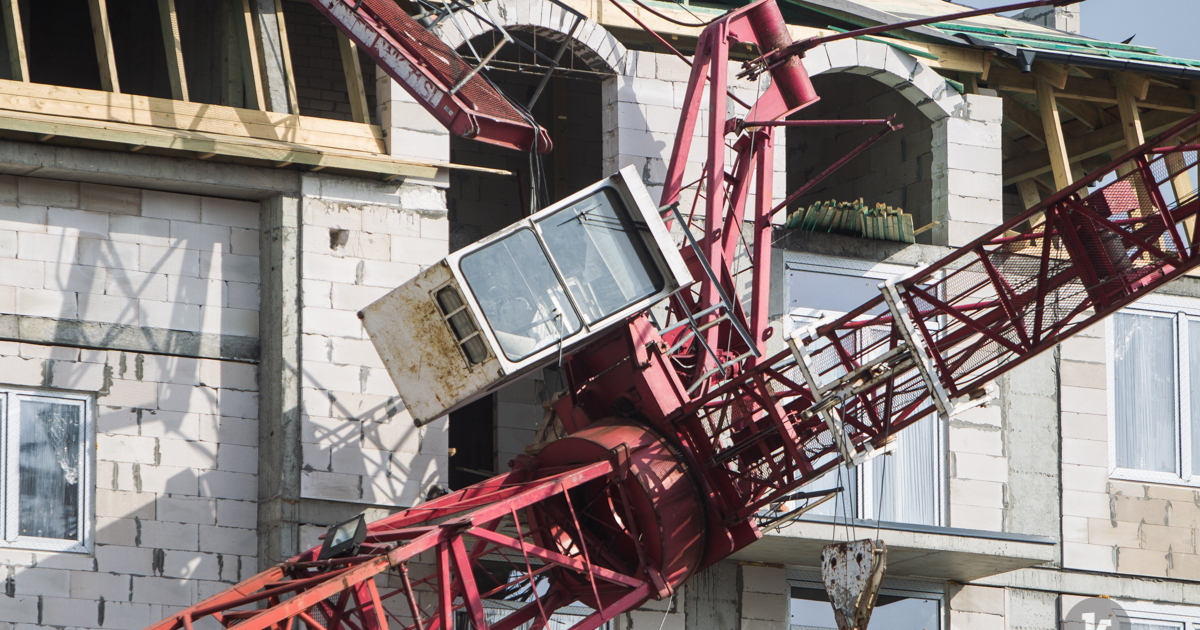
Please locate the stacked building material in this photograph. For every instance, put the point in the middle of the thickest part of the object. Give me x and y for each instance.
(854, 218)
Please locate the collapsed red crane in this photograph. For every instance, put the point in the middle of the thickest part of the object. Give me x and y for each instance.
(679, 439)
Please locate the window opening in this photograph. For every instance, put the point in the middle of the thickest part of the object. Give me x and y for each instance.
(599, 249)
(138, 48)
(472, 443)
(905, 485)
(47, 470)
(520, 296)
(454, 309)
(902, 604)
(59, 44)
(214, 47)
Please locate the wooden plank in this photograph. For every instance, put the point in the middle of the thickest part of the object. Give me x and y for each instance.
(17, 61)
(1085, 112)
(205, 144)
(1056, 143)
(293, 100)
(1053, 73)
(1023, 119)
(176, 71)
(1137, 84)
(1030, 196)
(355, 89)
(102, 37)
(1131, 119)
(1097, 143)
(251, 65)
(1094, 91)
(168, 114)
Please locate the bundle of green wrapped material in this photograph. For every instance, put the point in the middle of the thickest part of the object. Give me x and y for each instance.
(854, 218)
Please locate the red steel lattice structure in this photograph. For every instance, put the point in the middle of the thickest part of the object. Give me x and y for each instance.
(680, 439)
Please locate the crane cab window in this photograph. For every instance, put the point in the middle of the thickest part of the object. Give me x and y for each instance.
(602, 255)
(519, 294)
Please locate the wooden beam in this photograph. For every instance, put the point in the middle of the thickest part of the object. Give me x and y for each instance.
(251, 66)
(1094, 91)
(18, 63)
(1086, 113)
(102, 37)
(1136, 84)
(286, 53)
(171, 43)
(1023, 119)
(1053, 73)
(355, 89)
(1030, 196)
(1056, 143)
(1131, 118)
(1099, 142)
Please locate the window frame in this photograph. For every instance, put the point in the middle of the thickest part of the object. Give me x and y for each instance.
(1188, 617)
(10, 493)
(896, 587)
(865, 504)
(1180, 310)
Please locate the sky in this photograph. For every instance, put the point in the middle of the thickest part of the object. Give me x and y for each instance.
(1169, 25)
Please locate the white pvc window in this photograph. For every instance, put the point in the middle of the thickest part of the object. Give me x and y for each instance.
(1154, 391)
(47, 470)
(1149, 616)
(908, 484)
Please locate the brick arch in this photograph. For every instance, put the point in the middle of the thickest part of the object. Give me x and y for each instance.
(916, 81)
(591, 42)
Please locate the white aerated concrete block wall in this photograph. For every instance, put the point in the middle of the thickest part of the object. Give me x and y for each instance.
(359, 443)
(642, 107)
(126, 256)
(978, 470)
(409, 130)
(967, 178)
(175, 483)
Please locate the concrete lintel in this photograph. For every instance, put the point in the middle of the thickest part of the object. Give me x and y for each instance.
(857, 248)
(151, 172)
(124, 338)
(943, 556)
(324, 513)
(1122, 586)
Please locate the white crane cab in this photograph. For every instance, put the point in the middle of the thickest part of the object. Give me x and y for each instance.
(514, 302)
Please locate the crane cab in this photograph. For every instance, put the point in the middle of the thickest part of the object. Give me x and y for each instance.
(518, 300)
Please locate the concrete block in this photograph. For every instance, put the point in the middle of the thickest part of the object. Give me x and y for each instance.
(1085, 349)
(960, 620)
(1087, 504)
(842, 54)
(124, 283)
(166, 479)
(1084, 478)
(1082, 400)
(981, 467)
(1085, 375)
(671, 68)
(979, 599)
(331, 268)
(124, 504)
(33, 191)
(163, 205)
(228, 485)
(989, 109)
(1084, 452)
(200, 236)
(229, 267)
(91, 585)
(23, 218)
(195, 510)
(1142, 562)
(332, 486)
(164, 535)
(231, 540)
(388, 274)
(47, 247)
(238, 404)
(764, 606)
(124, 560)
(350, 297)
(871, 56)
(976, 493)
(1180, 540)
(229, 212)
(157, 590)
(79, 376)
(116, 531)
(38, 581)
(28, 274)
(974, 158)
(760, 579)
(169, 315)
(645, 91)
(971, 440)
(65, 612)
(228, 430)
(169, 260)
(114, 199)
(77, 223)
(1123, 534)
(1075, 529)
(235, 458)
(242, 514)
(190, 290)
(418, 145)
(242, 295)
(190, 565)
(976, 517)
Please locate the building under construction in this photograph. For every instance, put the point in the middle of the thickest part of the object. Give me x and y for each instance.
(199, 198)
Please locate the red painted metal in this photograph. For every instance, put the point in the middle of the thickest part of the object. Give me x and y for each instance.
(682, 437)
(429, 70)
